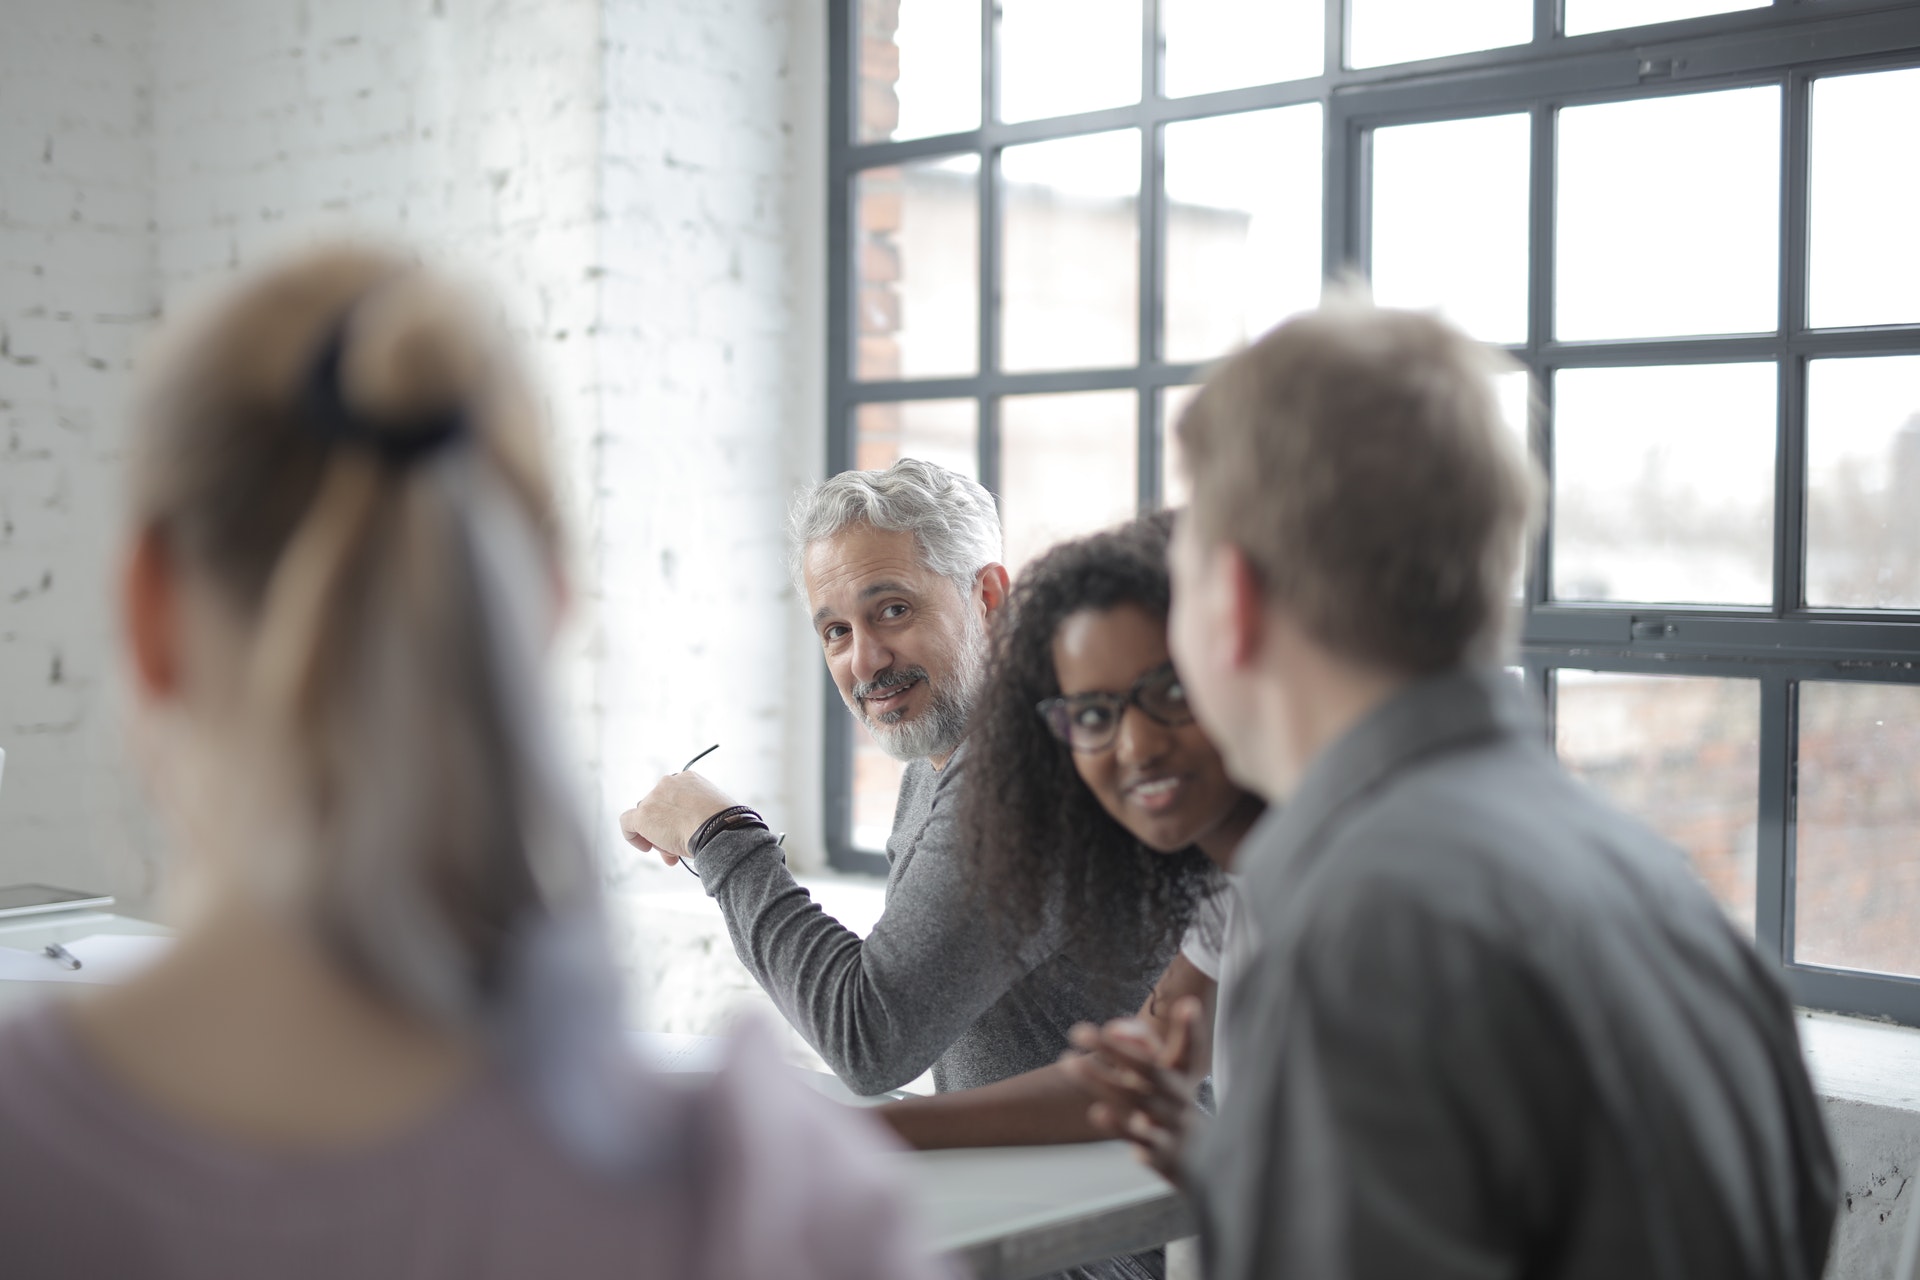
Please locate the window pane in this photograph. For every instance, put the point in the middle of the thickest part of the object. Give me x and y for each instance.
(1515, 391)
(1175, 490)
(916, 269)
(1243, 239)
(1610, 15)
(876, 786)
(1228, 44)
(1059, 57)
(1682, 754)
(1070, 252)
(1863, 483)
(1863, 255)
(1384, 31)
(1857, 852)
(1450, 222)
(1669, 216)
(1069, 464)
(1663, 484)
(942, 431)
(919, 69)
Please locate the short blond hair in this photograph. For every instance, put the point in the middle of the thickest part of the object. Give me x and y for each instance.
(1358, 458)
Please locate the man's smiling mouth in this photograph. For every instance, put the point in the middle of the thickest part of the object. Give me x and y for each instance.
(883, 696)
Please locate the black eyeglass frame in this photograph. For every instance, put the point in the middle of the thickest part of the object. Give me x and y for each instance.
(1062, 728)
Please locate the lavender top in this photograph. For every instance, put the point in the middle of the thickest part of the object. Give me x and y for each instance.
(770, 1180)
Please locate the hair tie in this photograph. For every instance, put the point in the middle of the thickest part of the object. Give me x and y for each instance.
(398, 443)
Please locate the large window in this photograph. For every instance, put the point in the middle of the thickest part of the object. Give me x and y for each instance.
(1696, 237)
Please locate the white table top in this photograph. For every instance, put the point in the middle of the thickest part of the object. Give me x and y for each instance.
(30, 933)
(1011, 1213)
(1006, 1213)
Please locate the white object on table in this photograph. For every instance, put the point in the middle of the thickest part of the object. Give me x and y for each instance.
(103, 958)
(31, 933)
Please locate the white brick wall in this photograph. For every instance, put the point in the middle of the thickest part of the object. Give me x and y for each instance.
(76, 296)
(708, 346)
(465, 128)
(710, 354)
(628, 176)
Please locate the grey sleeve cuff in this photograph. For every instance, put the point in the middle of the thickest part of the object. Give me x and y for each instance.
(726, 851)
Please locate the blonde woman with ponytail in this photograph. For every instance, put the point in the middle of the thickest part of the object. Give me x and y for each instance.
(387, 1042)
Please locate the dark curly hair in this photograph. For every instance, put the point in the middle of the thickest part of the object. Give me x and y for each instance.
(1044, 842)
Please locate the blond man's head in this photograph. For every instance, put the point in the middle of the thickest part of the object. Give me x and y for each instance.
(1357, 458)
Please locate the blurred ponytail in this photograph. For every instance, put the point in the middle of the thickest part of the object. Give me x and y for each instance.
(392, 669)
(350, 459)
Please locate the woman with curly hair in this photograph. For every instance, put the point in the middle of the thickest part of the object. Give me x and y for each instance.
(1096, 799)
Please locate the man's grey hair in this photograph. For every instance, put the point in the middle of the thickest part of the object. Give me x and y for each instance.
(953, 519)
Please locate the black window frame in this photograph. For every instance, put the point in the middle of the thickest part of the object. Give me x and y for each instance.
(1788, 43)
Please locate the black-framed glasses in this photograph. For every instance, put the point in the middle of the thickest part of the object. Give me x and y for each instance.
(1091, 721)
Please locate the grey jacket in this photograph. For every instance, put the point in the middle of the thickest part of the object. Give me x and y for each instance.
(936, 983)
(1495, 1028)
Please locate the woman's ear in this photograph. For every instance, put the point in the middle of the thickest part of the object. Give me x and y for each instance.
(149, 607)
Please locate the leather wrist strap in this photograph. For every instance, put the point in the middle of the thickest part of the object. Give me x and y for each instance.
(728, 819)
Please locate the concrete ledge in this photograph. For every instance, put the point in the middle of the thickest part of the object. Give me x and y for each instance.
(1868, 1073)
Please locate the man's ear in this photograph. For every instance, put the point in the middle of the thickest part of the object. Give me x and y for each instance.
(1246, 606)
(562, 597)
(149, 609)
(993, 584)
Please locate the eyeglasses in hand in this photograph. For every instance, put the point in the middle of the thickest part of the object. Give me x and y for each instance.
(778, 840)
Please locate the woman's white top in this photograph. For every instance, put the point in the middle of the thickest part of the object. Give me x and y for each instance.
(1219, 943)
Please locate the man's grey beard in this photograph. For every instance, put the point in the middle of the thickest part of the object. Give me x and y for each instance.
(939, 729)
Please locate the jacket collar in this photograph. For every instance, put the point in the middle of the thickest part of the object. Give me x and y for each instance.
(1430, 717)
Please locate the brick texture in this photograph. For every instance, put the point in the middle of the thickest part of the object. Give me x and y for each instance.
(76, 297)
(622, 175)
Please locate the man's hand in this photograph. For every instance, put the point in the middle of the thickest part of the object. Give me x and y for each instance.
(665, 820)
(1143, 1090)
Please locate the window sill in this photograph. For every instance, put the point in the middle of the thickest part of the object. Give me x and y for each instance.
(1858, 1060)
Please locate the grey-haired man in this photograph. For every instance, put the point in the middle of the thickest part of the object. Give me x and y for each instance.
(901, 572)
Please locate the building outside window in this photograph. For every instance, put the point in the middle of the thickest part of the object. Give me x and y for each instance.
(1690, 223)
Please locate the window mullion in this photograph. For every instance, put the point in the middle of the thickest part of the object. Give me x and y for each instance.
(1773, 835)
(989, 258)
(1341, 206)
(1539, 334)
(1546, 20)
(1152, 296)
(1790, 561)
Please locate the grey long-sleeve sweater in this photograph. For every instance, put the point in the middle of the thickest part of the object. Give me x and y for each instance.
(934, 983)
